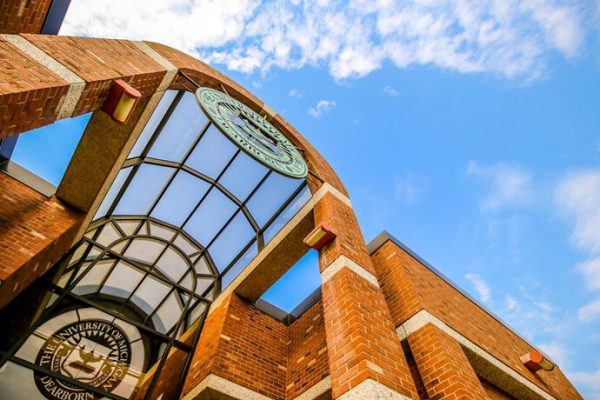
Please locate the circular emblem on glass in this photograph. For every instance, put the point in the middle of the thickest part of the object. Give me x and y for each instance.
(252, 133)
(91, 351)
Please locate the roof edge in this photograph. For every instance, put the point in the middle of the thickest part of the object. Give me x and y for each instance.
(385, 236)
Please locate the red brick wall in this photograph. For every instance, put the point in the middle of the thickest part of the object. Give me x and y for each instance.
(23, 16)
(29, 92)
(443, 366)
(307, 351)
(35, 232)
(99, 62)
(243, 345)
(410, 287)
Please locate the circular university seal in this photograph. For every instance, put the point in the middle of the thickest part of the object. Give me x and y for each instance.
(252, 133)
(91, 351)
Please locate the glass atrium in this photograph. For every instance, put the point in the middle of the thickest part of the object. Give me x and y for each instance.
(188, 210)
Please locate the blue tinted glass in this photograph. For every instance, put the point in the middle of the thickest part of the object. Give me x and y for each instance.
(231, 241)
(180, 198)
(179, 132)
(112, 192)
(212, 153)
(287, 214)
(210, 217)
(238, 267)
(242, 176)
(296, 284)
(143, 189)
(152, 123)
(271, 195)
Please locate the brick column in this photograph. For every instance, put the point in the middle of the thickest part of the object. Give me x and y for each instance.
(443, 365)
(365, 356)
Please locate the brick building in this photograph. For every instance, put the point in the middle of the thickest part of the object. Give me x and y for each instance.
(140, 274)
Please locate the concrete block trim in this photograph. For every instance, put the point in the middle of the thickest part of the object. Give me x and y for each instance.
(423, 317)
(172, 70)
(370, 389)
(76, 84)
(345, 262)
(226, 387)
(327, 188)
(316, 390)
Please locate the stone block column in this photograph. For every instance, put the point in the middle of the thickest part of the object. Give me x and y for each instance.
(365, 356)
(443, 366)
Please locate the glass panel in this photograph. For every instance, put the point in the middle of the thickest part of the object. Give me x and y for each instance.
(129, 227)
(202, 267)
(243, 261)
(168, 314)
(108, 235)
(287, 214)
(91, 281)
(152, 123)
(149, 295)
(179, 132)
(242, 176)
(208, 219)
(18, 383)
(231, 241)
(185, 245)
(212, 153)
(271, 195)
(196, 312)
(145, 250)
(122, 280)
(112, 192)
(143, 189)
(187, 281)
(180, 198)
(203, 284)
(172, 265)
(161, 231)
(64, 279)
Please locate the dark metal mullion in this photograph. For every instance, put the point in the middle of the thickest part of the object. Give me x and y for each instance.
(109, 311)
(37, 368)
(188, 359)
(45, 313)
(155, 203)
(263, 179)
(284, 206)
(237, 258)
(146, 268)
(266, 226)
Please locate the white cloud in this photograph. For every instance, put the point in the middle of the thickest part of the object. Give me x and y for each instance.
(578, 195)
(590, 311)
(391, 91)
(505, 37)
(294, 93)
(481, 287)
(590, 380)
(409, 190)
(322, 107)
(590, 270)
(556, 351)
(512, 304)
(507, 185)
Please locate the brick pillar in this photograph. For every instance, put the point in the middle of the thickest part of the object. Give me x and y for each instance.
(365, 356)
(443, 365)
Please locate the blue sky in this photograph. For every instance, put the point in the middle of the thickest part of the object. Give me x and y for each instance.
(469, 131)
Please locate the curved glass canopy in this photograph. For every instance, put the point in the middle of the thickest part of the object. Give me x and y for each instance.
(185, 214)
